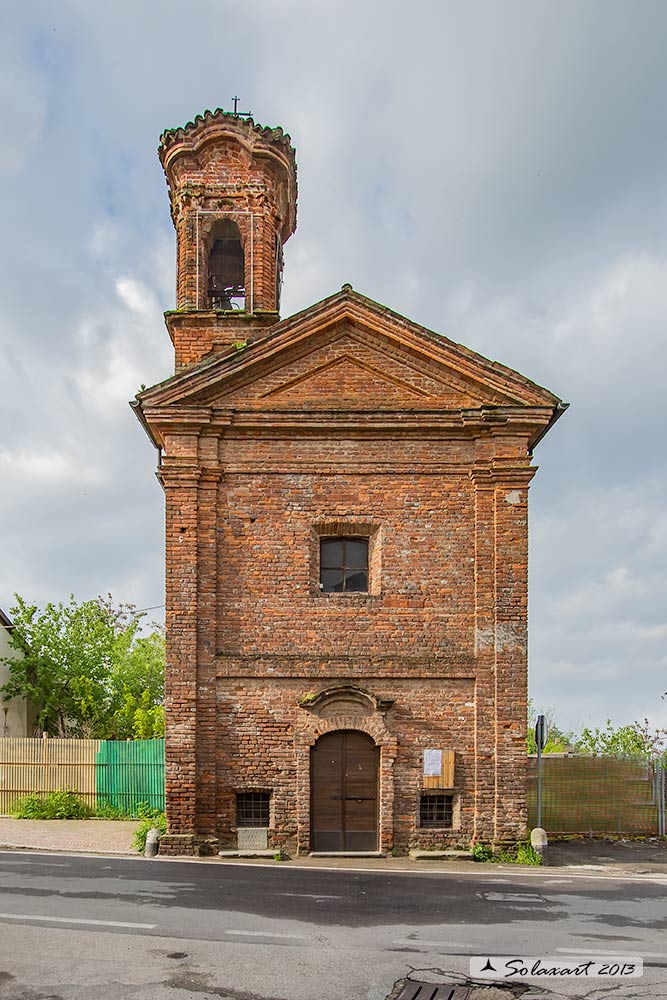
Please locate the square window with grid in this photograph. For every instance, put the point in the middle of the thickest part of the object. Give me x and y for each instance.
(252, 808)
(436, 810)
(344, 565)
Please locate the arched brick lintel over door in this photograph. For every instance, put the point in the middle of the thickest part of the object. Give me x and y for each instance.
(344, 787)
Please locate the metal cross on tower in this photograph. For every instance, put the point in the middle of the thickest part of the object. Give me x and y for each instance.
(240, 114)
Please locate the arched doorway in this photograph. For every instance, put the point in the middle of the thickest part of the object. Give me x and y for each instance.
(344, 792)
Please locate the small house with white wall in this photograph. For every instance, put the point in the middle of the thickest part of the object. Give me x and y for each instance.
(15, 715)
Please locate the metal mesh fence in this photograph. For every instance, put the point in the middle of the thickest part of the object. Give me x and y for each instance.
(595, 795)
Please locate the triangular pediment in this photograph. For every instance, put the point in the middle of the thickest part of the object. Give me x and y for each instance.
(348, 352)
(341, 379)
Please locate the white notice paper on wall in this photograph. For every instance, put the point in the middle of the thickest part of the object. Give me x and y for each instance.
(432, 763)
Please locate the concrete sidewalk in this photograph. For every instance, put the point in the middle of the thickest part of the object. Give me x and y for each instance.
(103, 836)
(80, 836)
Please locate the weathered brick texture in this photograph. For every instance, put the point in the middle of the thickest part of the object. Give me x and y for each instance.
(344, 420)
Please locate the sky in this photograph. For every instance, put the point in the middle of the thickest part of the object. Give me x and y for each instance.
(496, 171)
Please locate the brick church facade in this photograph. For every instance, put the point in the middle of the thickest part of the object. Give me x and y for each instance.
(346, 543)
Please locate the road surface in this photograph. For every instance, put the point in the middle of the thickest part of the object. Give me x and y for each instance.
(83, 928)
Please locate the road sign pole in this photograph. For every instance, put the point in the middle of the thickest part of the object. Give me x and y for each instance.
(539, 785)
(541, 735)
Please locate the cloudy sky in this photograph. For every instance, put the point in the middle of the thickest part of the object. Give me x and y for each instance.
(497, 171)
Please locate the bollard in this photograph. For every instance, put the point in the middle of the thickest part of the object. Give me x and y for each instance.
(152, 843)
(539, 843)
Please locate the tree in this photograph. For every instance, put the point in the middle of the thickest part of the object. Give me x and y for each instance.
(635, 740)
(137, 683)
(557, 742)
(85, 670)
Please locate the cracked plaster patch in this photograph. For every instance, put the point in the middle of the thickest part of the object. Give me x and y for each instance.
(504, 638)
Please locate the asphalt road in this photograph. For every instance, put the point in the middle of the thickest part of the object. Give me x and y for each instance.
(81, 928)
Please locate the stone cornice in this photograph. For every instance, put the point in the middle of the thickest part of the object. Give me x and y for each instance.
(229, 326)
(521, 423)
(471, 423)
(501, 472)
(173, 476)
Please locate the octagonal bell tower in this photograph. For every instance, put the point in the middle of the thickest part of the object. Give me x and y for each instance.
(232, 187)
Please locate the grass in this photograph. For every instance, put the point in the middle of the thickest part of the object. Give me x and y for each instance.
(482, 852)
(150, 818)
(521, 853)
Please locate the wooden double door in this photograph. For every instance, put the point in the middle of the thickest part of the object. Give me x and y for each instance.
(344, 792)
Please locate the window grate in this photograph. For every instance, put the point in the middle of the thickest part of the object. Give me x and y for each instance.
(252, 808)
(435, 810)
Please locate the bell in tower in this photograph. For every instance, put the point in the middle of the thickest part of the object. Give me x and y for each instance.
(226, 267)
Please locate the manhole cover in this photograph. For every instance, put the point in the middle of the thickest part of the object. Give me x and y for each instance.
(414, 990)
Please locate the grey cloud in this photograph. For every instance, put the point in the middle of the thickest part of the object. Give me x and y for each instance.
(496, 172)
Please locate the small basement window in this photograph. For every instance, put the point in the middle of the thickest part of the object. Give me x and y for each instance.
(344, 565)
(435, 810)
(252, 808)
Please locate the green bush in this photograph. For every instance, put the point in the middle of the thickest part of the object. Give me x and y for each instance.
(527, 855)
(64, 804)
(482, 852)
(134, 810)
(104, 810)
(149, 818)
(521, 853)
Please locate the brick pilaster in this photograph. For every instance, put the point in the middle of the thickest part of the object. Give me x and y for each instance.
(180, 481)
(207, 611)
(511, 651)
(484, 629)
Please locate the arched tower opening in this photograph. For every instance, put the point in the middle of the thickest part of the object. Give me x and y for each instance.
(226, 287)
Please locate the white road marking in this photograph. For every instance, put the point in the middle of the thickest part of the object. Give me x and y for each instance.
(513, 876)
(511, 897)
(561, 881)
(518, 874)
(307, 895)
(610, 953)
(74, 920)
(508, 881)
(265, 934)
(32, 863)
(429, 944)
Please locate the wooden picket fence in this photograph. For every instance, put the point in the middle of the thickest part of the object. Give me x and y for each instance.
(119, 773)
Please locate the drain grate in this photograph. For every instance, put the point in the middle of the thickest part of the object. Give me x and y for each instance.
(414, 990)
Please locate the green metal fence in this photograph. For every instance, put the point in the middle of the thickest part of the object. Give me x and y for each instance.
(130, 772)
(597, 795)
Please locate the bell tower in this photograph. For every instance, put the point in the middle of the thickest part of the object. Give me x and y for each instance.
(232, 188)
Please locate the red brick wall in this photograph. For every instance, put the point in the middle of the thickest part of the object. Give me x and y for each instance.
(442, 632)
